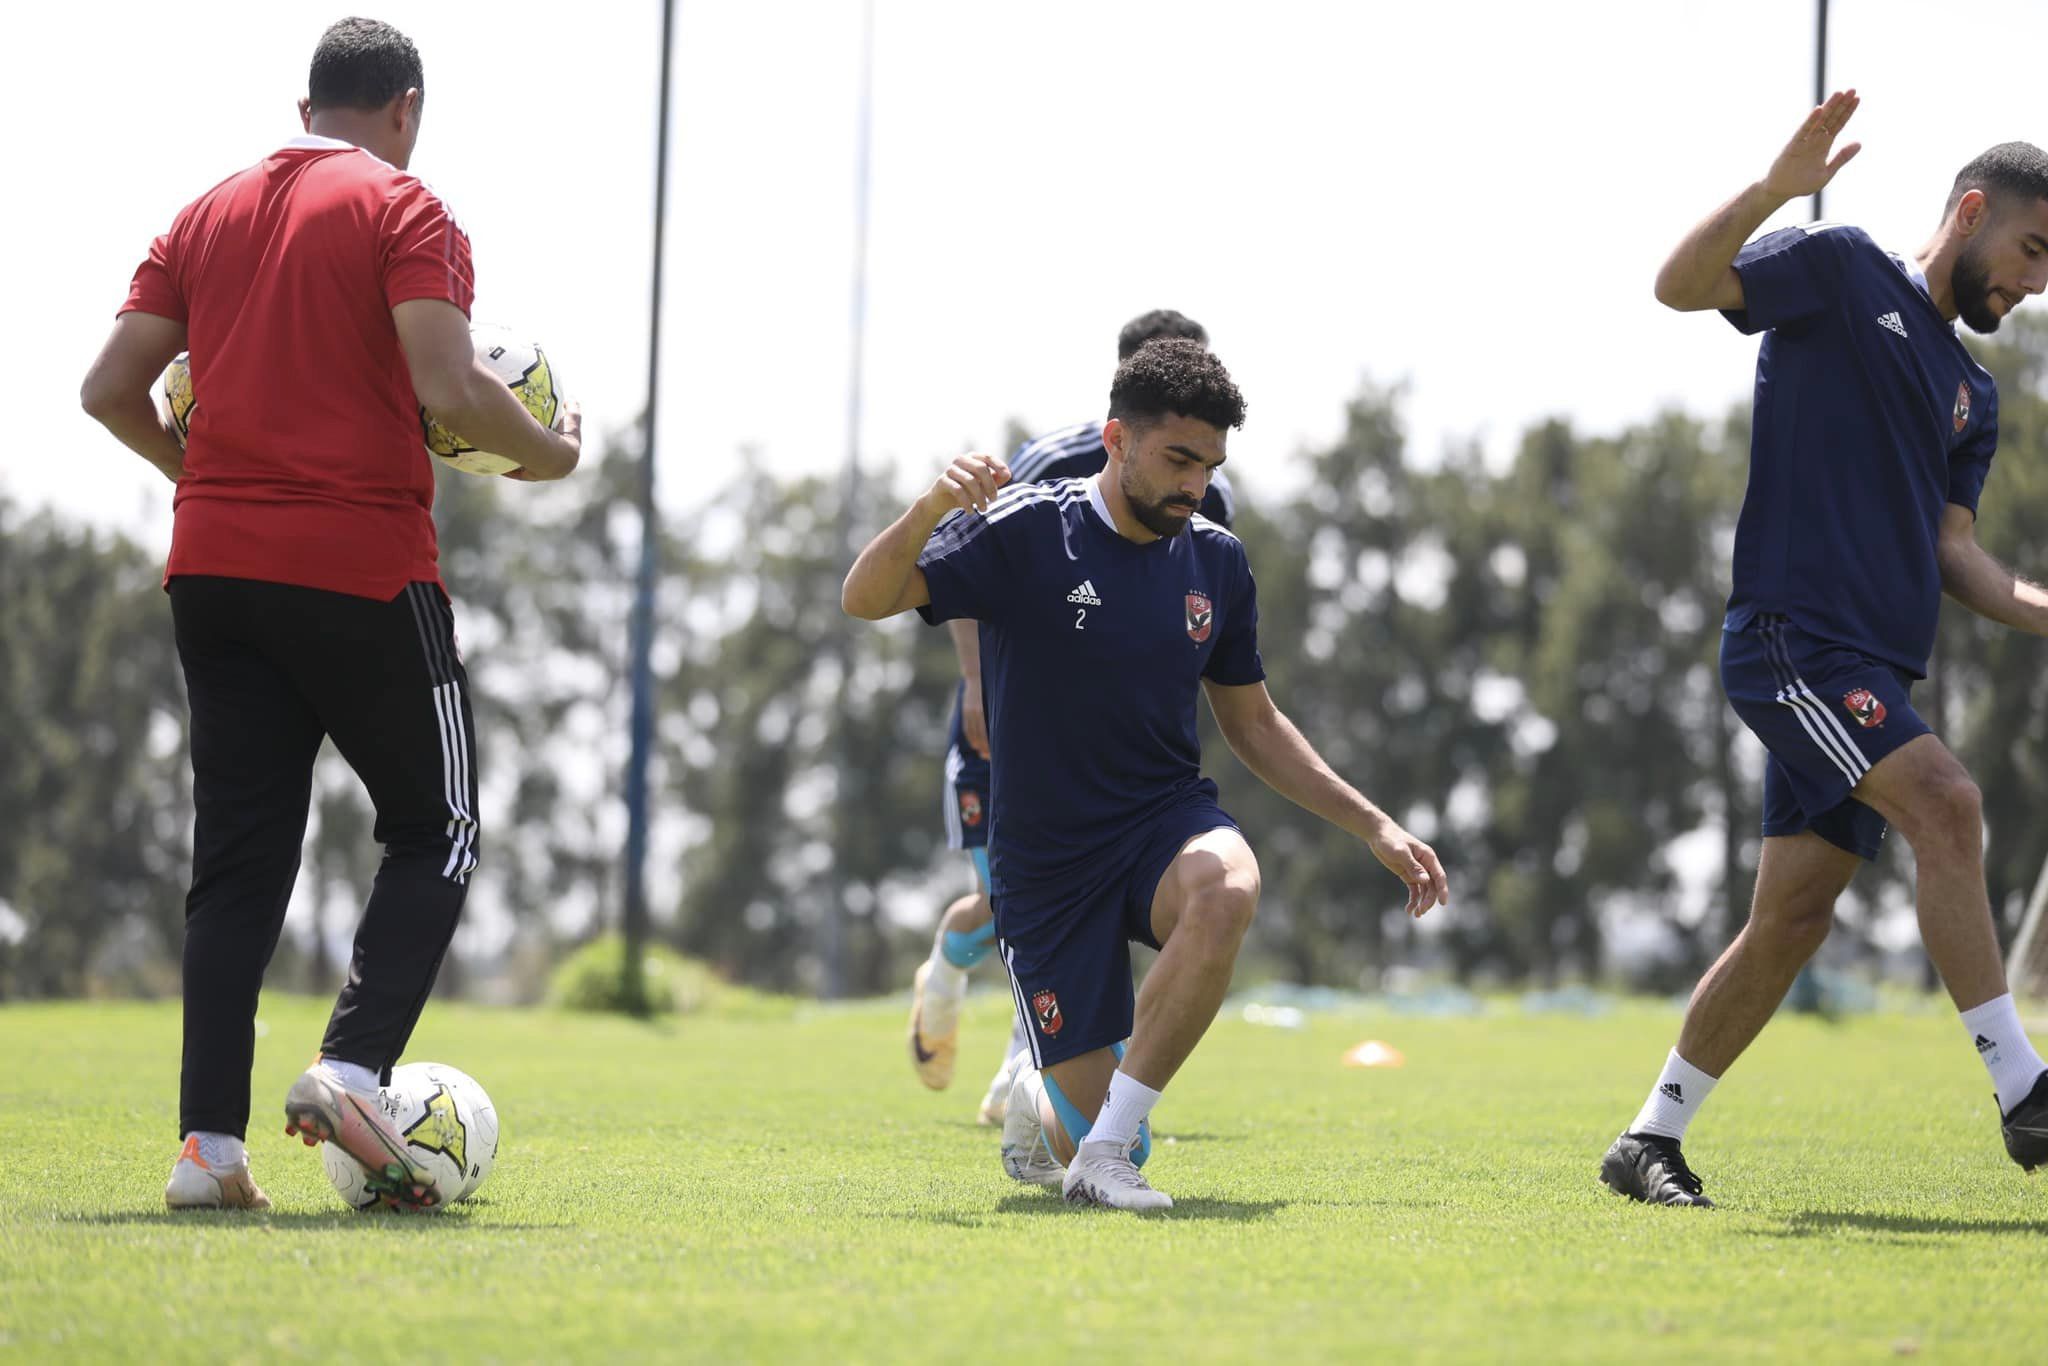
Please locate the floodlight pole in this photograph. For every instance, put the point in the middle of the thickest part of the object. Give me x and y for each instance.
(634, 920)
(1820, 80)
(850, 783)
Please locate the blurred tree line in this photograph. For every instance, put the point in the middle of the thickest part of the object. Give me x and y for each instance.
(1518, 660)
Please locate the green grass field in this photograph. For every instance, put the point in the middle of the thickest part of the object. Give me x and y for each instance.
(776, 1185)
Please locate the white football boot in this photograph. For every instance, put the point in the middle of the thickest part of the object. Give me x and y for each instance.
(1026, 1155)
(197, 1184)
(996, 1103)
(1103, 1174)
(320, 1108)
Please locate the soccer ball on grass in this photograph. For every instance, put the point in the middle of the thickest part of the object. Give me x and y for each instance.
(448, 1122)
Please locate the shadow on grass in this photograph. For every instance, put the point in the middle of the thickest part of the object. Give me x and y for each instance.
(1821, 1223)
(257, 1221)
(1184, 1207)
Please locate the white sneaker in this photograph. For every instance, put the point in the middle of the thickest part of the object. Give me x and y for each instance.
(1103, 1174)
(195, 1184)
(1026, 1157)
(996, 1104)
(934, 1031)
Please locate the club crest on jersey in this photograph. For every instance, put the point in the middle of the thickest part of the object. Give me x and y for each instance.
(1201, 616)
(1865, 707)
(970, 809)
(1047, 1007)
(1962, 405)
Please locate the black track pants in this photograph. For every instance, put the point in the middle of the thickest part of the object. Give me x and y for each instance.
(270, 669)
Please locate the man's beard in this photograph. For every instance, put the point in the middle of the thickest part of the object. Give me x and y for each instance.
(1158, 515)
(1972, 285)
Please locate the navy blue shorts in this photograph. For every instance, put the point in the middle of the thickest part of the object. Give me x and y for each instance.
(1827, 713)
(1068, 942)
(964, 802)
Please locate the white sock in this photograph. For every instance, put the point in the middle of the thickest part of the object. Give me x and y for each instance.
(1680, 1091)
(219, 1150)
(944, 978)
(1123, 1110)
(2007, 1052)
(354, 1075)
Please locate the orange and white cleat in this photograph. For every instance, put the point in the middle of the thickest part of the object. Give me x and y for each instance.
(197, 1184)
(321, 1109)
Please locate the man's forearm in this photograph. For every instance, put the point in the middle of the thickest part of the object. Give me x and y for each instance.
(1699, 265)
(967, 648)
(875, 585)
(1282, 758)
(136, 424)
(1978, 581)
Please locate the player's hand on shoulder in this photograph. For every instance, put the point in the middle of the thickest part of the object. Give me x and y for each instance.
(970, 481)
(1415, 863)
(1804, 167)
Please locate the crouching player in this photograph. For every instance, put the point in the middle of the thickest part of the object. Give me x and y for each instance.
(1107, 605)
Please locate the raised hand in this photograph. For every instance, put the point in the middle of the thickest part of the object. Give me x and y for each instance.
(970, 481)
(1804, 167)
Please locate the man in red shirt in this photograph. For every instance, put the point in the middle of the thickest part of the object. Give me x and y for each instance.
(323, 295)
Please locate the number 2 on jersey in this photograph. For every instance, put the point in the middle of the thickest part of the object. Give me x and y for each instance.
(1080, 615)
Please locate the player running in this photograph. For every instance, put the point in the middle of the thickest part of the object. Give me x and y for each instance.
(1874, 431)
(1106, 605)
(324, 297)
(966, 933)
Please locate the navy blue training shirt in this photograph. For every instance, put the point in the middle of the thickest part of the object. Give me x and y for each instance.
(1871, 417)
(1093, 648)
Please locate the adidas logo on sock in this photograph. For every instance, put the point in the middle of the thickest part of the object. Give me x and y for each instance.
(1984, 1045)
(1085, 594)
(1672, 1090)
(1892, 322)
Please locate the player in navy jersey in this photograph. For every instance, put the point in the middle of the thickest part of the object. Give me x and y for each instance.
(966, 932)
(1106, 607)
(1873, 433)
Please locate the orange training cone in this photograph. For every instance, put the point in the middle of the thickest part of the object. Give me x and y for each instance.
(1373, 1053)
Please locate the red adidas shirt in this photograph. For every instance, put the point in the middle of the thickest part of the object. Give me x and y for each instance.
(305, 463)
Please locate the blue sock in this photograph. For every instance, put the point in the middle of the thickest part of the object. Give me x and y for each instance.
(965, 950)
(1071, 1120)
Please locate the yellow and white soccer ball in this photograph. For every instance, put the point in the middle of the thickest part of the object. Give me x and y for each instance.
(178, 400)
(526, 371)
(448, 1122)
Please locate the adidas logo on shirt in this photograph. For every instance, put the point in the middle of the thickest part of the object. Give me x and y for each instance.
(1673, 1091)
(1891, 320)
(1085, 594)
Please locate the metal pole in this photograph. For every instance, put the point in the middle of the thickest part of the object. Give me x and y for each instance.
(633, 983)
(1820, 79)
(850, 782)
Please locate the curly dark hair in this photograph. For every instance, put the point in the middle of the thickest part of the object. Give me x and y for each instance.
(1160, 322)
(1175, 376)
(363, 64)
(2011, 170)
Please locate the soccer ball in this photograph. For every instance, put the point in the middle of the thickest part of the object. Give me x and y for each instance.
(178, 400)
(527, 373)
(448, 1122)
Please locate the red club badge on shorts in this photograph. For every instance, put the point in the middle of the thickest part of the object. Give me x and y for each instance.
(1962, 405)
(1864, 706)
(970, 809)
(1201, 616)
(1047, 1007)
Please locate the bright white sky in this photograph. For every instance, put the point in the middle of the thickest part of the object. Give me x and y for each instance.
(1472, 198)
